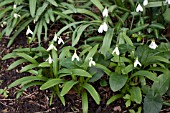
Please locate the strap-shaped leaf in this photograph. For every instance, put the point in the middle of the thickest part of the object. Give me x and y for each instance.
(9, 55)
(16, 63)
(50, 83)
(91, 53)
(81, 72)
(53, 2)
(27, 57)
(67, 86)
(98, 4)
(28, 67)
(55, 62)
(147, 74)
(113, 98)
(23, 79)
(84, 102)
(32, 6)
(92, 92)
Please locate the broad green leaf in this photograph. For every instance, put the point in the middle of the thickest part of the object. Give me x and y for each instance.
(27, 57)
(104, 68)
(107, 42)
(76, 39)
(127, 69)
(96, 74)
(51, 82)
(32, 6)
(67, 86)
(84, 102)
(9, 55)
(55, 62)
(23, 79)
(136, 94)
(147, 74)
(44, 64)
(152, 103)
(113, 98)
(81, 72)
(156, 4)
(91, 53)
(117, 81)
(16, 63)
(98, 4)
(92, 92)
(28, 67)
(53, 2)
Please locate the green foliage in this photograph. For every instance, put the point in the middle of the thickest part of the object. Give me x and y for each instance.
(126, 49)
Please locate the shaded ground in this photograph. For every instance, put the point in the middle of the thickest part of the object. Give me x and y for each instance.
(35, 101)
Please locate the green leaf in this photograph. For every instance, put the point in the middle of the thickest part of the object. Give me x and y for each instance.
(104, 68)
(113, 98)
(9, 55)
(67, 86)
(53, 2)
(28, 67)
(117, 81)
(50, 83)
(84, 102)
(16, 63)
(152, 103)
(127, 69)
(97, 74)
(139, 28)
(107, 42)
(27, 57)
(44, 64)
(91, 53)
(157, 25)
(24, 79)
(55, 62)
(81, 72)
(32, 6)
(147, 74)
(92, 92)
(136, 94)
(98, 4)
(40, 10)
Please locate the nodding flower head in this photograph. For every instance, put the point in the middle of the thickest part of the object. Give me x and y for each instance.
(51, 47)
(75, 56)
(91, 62)
(116, 50)
(153, 45)
(139, 8)
(137, 63)
(105, 12)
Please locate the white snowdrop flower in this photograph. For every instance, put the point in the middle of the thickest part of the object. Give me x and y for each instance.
(139, 8)
(105, 12)
(145, 2)
(51, 47)
(103, 27)
(55, 37)
(153, 45)
(91, 62)
(75, 56)
(60, 40)
(16, 15)
(116, 50)
(29, 31)
(50, 60)
(14, 6)
(137, 63)
(167, 1)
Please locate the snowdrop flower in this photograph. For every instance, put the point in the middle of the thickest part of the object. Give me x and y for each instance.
(137, 63)
(139, 8)
(14, 6)
(153, 45)
(51, 47)
(103, 27)
(75, 56)
(91, 62)
(3, 24)
(29, 31)
(116, 50)
(145, 2)
(16, 15)
(60, 40)
(105, 12)
(55, 37)
(167, 1)
(50, 60)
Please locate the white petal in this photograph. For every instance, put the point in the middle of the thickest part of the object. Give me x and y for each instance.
(105, 27)
(29, 31)
(60, 40)
(14, 6)
(145, 2)
(91, 62)
(116, 50)
(51, 47)
(139, 8)
(137, 63)
(100, 29)
(50, 60)
(105, 12)
(153, 45)
(55, 37)
(75, 56)
(16, 15)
